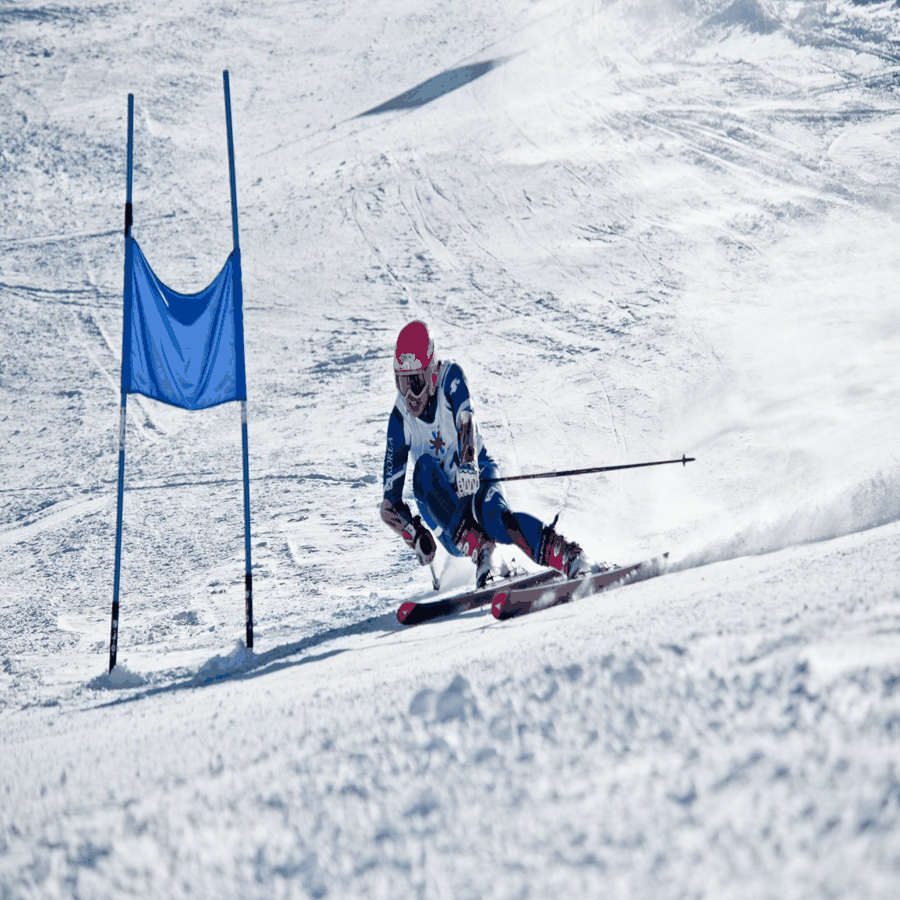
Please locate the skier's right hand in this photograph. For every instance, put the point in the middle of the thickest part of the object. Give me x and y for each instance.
(420, 540)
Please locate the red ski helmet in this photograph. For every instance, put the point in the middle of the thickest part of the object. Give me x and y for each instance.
(415, 366)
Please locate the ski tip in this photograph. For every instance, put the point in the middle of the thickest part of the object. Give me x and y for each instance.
(497, 604)
(404, 611)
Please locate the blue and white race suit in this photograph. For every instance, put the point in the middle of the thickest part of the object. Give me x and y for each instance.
(431, 443)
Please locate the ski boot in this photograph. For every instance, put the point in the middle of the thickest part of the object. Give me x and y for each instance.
(471, 541)
(566, 556)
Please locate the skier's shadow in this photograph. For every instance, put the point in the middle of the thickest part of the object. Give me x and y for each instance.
(438, 86)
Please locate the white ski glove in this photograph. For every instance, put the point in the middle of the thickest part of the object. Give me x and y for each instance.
(467, 479)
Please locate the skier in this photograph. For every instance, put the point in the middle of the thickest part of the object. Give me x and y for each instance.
(432, 424)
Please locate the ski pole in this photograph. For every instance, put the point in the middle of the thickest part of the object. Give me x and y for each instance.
(664, 462)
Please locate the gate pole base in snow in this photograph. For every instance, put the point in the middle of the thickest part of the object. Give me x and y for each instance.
(248, 576)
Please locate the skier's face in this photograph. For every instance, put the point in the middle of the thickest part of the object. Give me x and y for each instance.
(416, 388)
(416, 405)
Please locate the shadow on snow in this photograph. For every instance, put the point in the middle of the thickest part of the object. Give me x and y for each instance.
(437, 86)
(242, 664)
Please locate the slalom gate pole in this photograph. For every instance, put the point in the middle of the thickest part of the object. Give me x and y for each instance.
(664, 462)
(248, 574)
(234, 215)
(242, 378)
(126, 380)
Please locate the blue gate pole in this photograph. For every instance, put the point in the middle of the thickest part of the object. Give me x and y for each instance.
(241, 370)
(126, 379)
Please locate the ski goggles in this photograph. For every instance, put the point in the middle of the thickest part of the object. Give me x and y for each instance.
(412, 384)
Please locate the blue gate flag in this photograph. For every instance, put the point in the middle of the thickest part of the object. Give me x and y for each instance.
(186, 349)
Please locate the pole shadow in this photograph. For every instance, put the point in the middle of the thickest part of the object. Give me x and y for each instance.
(253, 665)
(436, 87)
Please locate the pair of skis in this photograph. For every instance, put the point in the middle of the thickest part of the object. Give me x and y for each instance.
(530, 593)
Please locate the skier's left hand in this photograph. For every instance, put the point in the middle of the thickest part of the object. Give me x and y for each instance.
(420, 540)
(467, 479)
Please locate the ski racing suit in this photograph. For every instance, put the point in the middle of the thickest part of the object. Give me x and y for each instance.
(434, 443)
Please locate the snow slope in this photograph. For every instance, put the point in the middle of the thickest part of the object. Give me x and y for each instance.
(643, 229)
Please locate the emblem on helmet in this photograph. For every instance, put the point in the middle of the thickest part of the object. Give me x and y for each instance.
(409, 361)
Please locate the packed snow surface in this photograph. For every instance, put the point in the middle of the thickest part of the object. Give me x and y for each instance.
(643, 229)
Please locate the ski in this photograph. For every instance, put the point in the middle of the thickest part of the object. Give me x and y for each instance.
(413, 613)
(516, 600)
